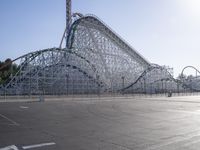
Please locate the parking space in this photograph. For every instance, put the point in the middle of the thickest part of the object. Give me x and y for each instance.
(115, 124)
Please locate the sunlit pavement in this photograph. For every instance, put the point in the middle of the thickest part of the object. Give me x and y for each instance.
(125, 124)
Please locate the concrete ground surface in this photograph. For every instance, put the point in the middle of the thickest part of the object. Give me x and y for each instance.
(110, 124)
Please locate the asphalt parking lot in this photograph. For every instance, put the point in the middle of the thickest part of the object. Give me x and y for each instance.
(125, 124)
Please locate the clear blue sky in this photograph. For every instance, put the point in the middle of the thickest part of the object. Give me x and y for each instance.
(166, 32)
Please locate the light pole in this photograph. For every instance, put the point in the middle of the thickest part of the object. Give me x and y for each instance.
(123, 83)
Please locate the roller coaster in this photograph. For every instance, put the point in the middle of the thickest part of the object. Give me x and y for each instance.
(95, 60)
(191, 81)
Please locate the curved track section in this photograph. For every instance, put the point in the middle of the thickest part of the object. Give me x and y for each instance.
(54, 71)
(192, 82)
(155, 79)
(113, 58)
(197, 71)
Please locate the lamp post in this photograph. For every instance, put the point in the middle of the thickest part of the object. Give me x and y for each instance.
(123, 83)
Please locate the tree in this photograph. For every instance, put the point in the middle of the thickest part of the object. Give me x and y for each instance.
(182, 77)
(6, 69)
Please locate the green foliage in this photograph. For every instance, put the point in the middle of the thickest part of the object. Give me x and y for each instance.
(7, 69)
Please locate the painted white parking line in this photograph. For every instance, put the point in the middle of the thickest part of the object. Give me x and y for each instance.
(12, 147)
(24, 107)
(38, 145)
(10, 120)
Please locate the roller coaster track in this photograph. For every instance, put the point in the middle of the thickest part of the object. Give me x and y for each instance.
(182, 72)
(108, 32)
(104, 43)
(194, 79)
(149, 69)
(33, 55)
(169, 77)
(94, 51)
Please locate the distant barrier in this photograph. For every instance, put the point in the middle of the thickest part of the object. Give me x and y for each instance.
(43, 98)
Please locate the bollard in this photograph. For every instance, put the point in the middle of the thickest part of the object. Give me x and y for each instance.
(41, 98)
(169, 94)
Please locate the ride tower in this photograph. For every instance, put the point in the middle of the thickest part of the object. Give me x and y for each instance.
(68, 19)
